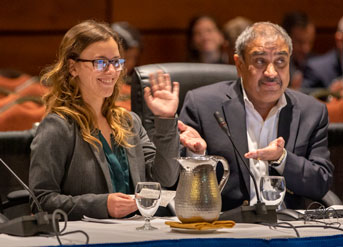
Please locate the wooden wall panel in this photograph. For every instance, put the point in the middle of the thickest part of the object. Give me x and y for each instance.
(163, 48)
(155, 19)
(37, 15)
(324, 40)
(27, 53)
(154, 14)
(30, 30)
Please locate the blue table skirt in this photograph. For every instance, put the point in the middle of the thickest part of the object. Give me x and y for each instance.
(329, 241)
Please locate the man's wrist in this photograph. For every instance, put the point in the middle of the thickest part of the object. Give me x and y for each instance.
(167, 117)
(280, 160)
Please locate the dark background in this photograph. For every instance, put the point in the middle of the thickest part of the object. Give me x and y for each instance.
(31, 30)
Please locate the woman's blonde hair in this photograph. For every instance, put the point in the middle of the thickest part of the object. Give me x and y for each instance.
(64, 97)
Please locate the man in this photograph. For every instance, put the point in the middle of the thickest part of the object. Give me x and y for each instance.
(326, 71)
(275, 128)
(302, 32)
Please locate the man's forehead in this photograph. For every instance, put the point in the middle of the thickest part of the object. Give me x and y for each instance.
(267, 46)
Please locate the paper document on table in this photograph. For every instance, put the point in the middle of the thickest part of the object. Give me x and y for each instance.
(149, 194)
(166, 195)
(114, 221)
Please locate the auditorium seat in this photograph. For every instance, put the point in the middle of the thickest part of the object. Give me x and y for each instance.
(21, 102)
(336, 153)
(15, 152)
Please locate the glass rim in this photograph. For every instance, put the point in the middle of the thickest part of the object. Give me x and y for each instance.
(273, 176)
(149, 183)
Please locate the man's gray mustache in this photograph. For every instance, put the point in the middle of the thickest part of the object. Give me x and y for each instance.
(270, 80)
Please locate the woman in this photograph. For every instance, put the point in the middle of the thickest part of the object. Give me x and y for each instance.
(205, 42)
(88, 153)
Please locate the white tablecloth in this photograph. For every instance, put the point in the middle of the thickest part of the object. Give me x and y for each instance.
(125, 231)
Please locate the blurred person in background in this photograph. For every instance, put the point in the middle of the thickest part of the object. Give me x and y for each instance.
(332, 70)
(205, 41)
(302, 32)
(132, 46)
(325, 71)
(232, 29)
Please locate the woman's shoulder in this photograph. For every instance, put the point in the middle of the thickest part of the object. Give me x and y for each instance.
(135, 117)
(53, 122)
(54, 132)
(57, 118)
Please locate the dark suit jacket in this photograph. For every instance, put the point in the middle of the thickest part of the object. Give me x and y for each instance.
(68, 173)
(303, 124)
(322, 70)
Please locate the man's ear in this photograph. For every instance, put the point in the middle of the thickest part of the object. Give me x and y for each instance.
(72, 69)
(238, 63)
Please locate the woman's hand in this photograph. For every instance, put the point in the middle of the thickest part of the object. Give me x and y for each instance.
(161, 98)
(191, 139)
(120, 205)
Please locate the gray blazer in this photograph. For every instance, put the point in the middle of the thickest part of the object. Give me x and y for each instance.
(70, 174)
(303, 123)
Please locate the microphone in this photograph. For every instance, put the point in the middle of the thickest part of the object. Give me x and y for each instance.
(258, 213)
(29, 225)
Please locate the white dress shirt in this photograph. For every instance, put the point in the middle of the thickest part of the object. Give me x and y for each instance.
(260, 133)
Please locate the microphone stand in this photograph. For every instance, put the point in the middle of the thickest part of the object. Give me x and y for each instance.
(29, 225)
(258, 213)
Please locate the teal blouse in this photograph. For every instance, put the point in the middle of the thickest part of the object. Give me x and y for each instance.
(118, 166)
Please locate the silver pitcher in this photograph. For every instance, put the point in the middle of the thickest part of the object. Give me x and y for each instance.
(198, 193)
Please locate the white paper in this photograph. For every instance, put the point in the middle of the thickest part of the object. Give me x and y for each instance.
(149, 193)
(134, 218)
(166, 196)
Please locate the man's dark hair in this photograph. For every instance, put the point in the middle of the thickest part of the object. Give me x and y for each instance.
(295, 19)
(130, 36)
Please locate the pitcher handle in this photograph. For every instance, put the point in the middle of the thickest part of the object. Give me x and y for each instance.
(226, 173)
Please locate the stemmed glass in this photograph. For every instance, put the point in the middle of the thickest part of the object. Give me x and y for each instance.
(148, 198)
(273, 189)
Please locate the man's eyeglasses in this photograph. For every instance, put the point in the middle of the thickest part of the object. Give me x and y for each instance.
(103, 64)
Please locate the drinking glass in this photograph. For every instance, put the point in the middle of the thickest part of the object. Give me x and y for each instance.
(148, 198)
(273, 189)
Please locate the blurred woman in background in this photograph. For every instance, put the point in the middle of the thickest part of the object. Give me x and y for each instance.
(205, 41)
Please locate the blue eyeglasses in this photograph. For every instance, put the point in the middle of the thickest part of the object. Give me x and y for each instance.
(103, 64)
